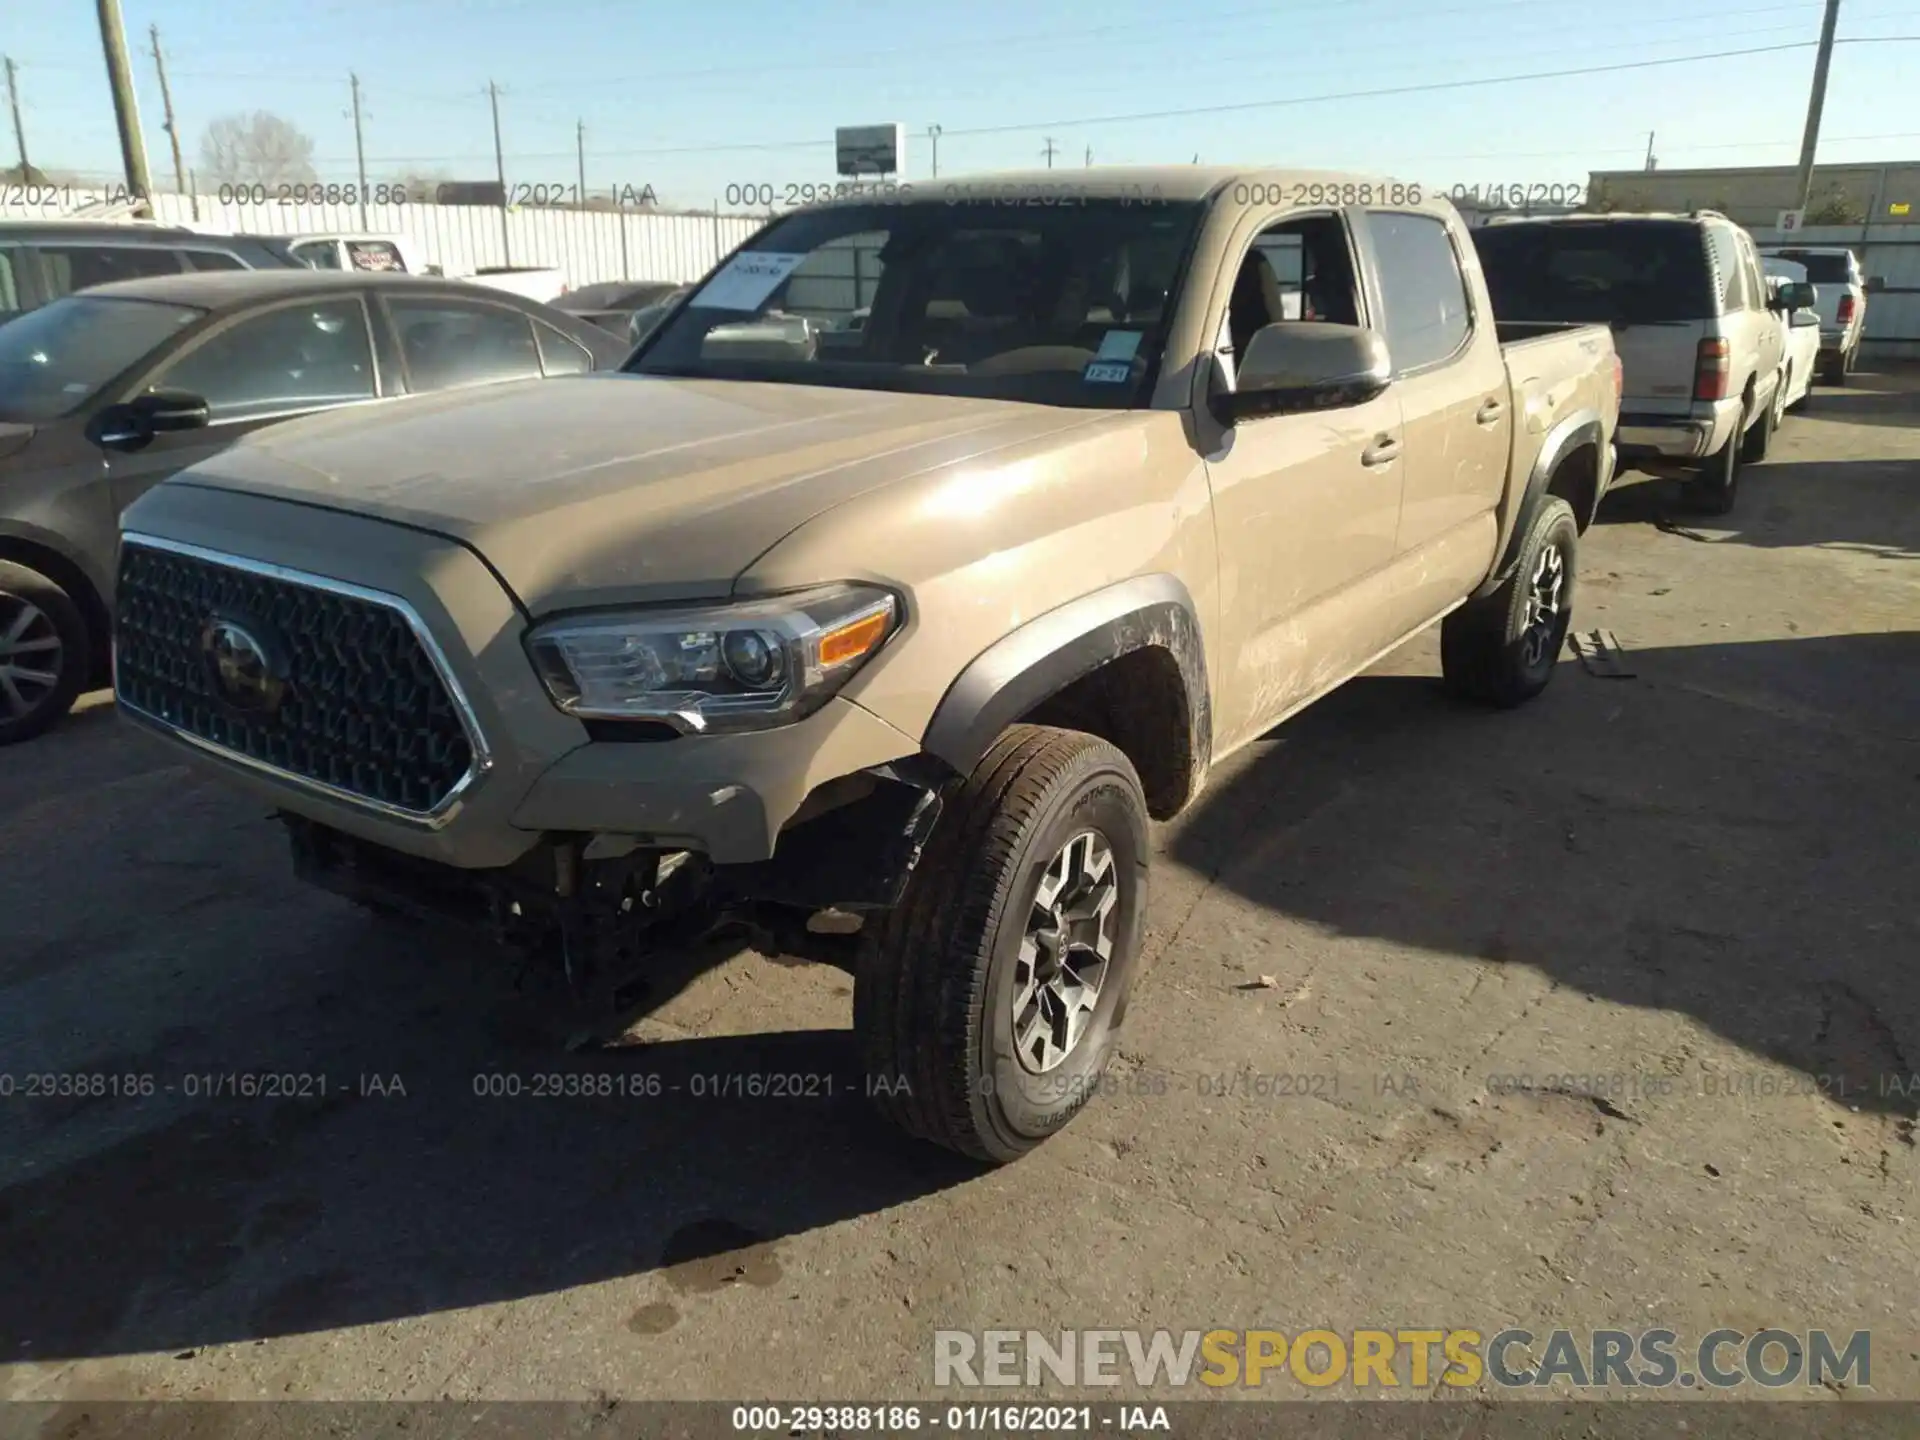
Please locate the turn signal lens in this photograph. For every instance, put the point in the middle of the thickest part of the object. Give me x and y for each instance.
(853, 640)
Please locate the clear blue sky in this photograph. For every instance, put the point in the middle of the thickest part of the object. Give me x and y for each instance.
(693, 97)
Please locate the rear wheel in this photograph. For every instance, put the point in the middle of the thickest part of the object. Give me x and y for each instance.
(1502, 649)
(45, 653)
(1837, 368)
(1712, 490)
(987, 1002)
(1759, 439)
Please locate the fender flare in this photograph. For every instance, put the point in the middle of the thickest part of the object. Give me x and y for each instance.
(1582, 427)
(1051, 651)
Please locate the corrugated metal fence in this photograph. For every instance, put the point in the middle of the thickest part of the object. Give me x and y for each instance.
(587, 245)
(1891, 252)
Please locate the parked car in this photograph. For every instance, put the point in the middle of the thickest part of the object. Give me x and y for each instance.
(1835, 270)
(611, 304)
(920, 622)
(644, 320)
(1687, 303)
(1796, 303)
(396, 254)
(40, 261)
(105, 393)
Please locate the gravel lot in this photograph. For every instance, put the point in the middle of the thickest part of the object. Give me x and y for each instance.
(1696, 884)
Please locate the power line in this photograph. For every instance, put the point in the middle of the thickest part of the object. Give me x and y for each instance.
(1237, 107)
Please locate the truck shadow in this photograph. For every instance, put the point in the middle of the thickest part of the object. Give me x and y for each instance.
(426, 1144)
(1729, 836)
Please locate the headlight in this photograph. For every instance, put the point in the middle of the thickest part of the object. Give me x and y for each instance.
(745, 666)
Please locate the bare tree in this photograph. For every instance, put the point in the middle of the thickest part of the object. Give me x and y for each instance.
(260, 148)
(1836, 207)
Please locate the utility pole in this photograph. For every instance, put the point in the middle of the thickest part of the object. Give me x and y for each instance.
(580, 145)
(933, 134)
(359, 147)
(19, 131)
(1818, 99)
(166, 109)
(133, 154)
(1652, 160)
(1089, 157)
(1048, 152)
(500, 168)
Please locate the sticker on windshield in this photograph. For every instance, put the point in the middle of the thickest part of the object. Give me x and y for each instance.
(749, 278)
(1119, 345)
(1107, 372)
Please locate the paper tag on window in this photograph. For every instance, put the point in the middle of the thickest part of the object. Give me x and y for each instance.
(1119, 345)
(1106, 372)
(746, 280)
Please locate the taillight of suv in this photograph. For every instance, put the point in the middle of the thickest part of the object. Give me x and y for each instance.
(1710, 370)
(1846, 310)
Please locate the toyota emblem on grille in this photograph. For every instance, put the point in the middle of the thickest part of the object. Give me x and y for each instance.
(243, 666)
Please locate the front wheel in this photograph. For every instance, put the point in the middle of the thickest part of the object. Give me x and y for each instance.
(986, 1003)
(1502, 648)
(45, 654)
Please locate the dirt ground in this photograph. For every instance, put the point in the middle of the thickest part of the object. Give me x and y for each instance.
(1695, 884)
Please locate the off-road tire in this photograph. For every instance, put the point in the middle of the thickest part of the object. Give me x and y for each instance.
(934, 982)
(74, 663)
(1483, 644)
(1714, 488)
(1758, 440)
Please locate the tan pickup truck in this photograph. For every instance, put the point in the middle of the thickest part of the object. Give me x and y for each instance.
(928, 548)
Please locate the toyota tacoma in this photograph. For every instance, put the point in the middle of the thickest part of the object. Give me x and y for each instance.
(927, 549)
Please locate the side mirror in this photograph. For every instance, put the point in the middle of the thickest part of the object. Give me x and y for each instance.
(1876, 283)
(1797, 295)
(1804, 320)
(165, 410)
(131, 426)
(1306, 365)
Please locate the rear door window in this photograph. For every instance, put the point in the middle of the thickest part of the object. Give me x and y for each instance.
(447, 343)
(560, 355)
(318, 255)
(1632, 272)
(1421, 288)
(211, 260)
(1822, 269)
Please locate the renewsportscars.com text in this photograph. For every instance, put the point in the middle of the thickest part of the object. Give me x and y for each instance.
(1414, 1358)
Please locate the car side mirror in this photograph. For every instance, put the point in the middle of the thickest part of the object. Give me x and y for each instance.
(1797, 295)
(1306, 365)
(131, 426)
(1804, 320)
(1876, 283)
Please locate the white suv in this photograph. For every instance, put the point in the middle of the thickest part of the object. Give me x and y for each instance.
(1835, 272)
(1700, 350)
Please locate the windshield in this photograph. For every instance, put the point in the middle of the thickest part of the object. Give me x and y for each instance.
(1821, 269)
(1631, 272)
(1061, 305)
(56, 359)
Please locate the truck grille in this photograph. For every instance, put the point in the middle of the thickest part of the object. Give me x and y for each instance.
(345, 695)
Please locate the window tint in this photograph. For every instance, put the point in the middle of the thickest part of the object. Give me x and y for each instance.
(448, 343)
(1598, 272)
(318, 255)
(1725, 255)
(375, 255)
(211, 260)
(559, 355)
(75, 267)
(296, 357)
(1422, 289)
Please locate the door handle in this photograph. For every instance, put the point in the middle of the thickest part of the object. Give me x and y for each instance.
(1491, 411)
(1384, 451)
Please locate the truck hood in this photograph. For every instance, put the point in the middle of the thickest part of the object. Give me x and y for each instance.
(615, 488)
